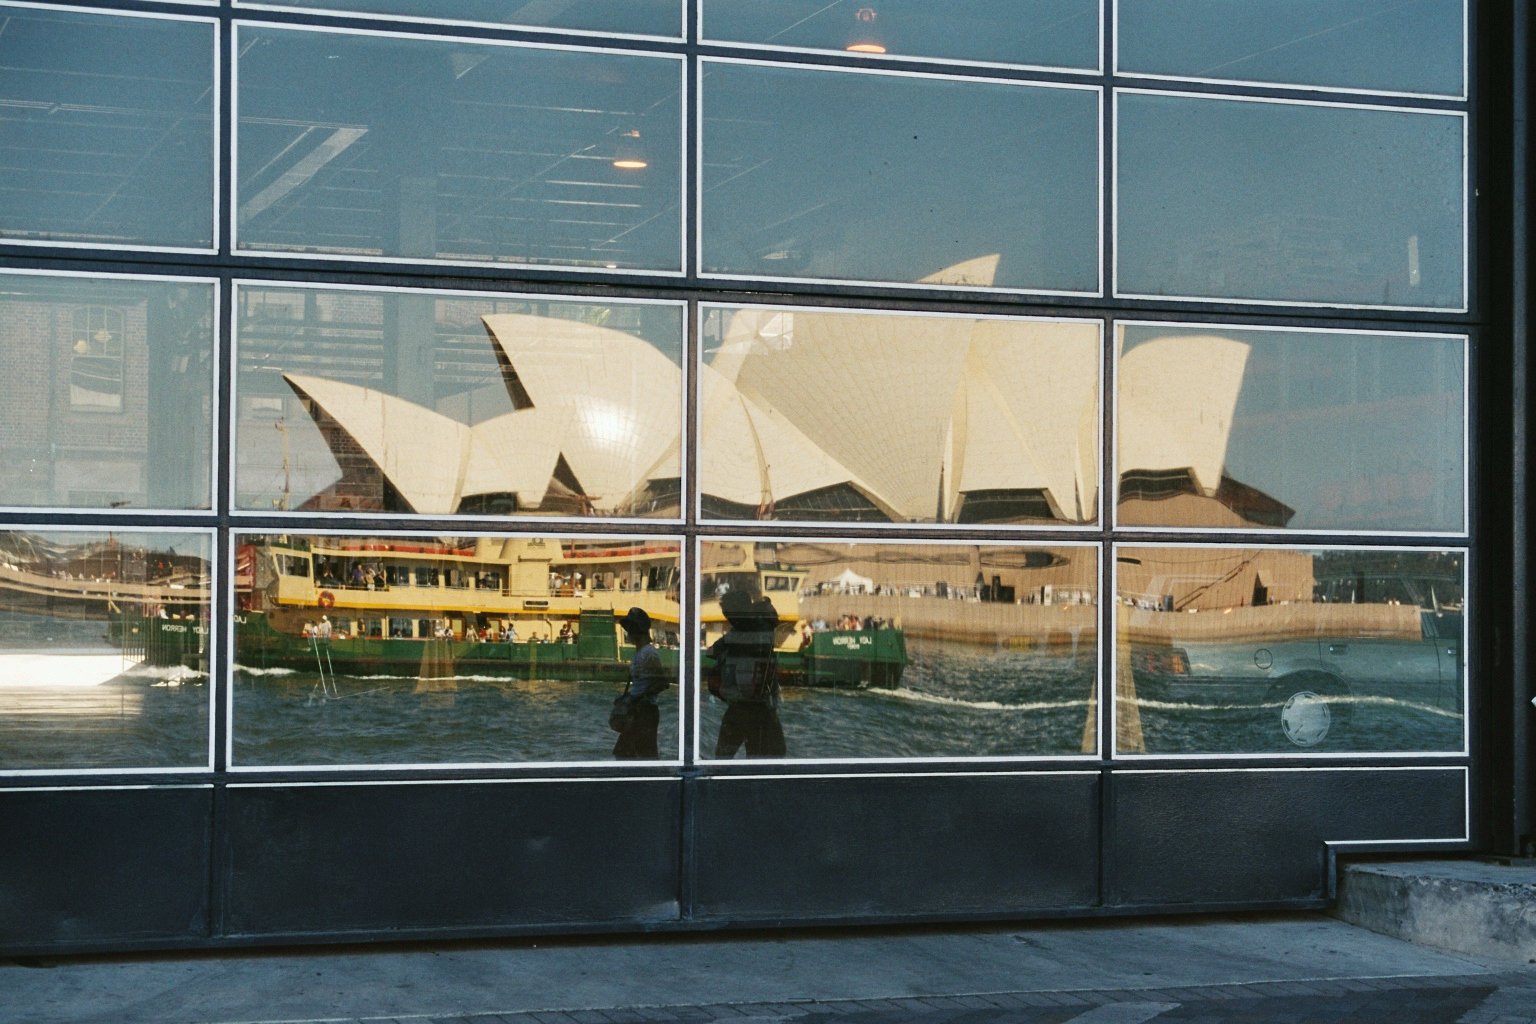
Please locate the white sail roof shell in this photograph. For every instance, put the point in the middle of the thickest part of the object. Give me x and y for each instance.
(434, 461)
(622, 398)
(1176, 399)
(1026, 414)
(754, 454)
(869, 390)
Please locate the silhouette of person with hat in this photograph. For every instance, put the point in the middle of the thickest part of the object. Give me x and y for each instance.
(745, 676)
(636, 715)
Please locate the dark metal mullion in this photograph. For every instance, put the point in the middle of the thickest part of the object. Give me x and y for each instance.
(1522, 811)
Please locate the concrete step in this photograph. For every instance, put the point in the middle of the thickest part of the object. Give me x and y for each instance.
(1481, 907)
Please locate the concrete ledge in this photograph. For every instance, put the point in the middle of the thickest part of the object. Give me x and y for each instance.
(1480, 908)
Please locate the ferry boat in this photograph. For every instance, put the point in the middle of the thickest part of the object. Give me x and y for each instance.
(533, 608)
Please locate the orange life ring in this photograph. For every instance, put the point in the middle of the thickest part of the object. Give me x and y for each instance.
(326, 599)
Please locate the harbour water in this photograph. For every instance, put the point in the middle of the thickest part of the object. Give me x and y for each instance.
(955, 701)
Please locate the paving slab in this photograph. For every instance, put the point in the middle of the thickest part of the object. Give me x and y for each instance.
(679, 977)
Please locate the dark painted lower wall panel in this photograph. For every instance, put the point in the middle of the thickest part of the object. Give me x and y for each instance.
(881, 847)
(1190, 838)
(96, 867)
(373, 859)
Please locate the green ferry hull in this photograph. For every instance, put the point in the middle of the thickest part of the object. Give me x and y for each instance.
(834, 658)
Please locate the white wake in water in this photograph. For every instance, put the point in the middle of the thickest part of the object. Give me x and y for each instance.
(918, 697)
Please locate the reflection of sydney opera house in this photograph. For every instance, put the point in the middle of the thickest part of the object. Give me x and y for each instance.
(1176, 401)
(810, 416)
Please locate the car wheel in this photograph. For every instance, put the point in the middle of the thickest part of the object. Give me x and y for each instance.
(1309, 708)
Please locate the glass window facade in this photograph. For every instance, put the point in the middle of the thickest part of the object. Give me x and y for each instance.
(1413, 47)
(434, 404)
(880, 418)
(109, 400)
(100, 148)
(1043, 33)
(1289, 202)
(1223, 428)
(848, 176)
(969, 400)
(817, 650)
(104, 649)
(380, 146)
(663, 18)
(1252, 650)
(353, 649)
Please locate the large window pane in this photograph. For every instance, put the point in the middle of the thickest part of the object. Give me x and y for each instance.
(896, 650)
(360, 400)
(376, 650)
(1055, 33)
(895, 418)
(1289, 202)
(371, 146)
(106, 129)
(874, 177)
(1304, 430)
(1266, 650)
(1409, 46)
(631, 17)
(106, 402)
(104, 649)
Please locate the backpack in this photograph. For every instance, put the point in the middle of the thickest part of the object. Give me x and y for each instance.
(747, 671)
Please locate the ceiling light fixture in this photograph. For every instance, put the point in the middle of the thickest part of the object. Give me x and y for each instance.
(864, 39)
(628, 156)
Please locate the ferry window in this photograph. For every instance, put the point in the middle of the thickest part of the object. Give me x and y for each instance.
(141, 351)
(108, 129)
(1289, 202)
(881, 418)
(629, 17)
(1060, 33)
(898, 650)
(793, 187)
(1402, 46)
(1290, 429)
(368, 145)
(518, 675)
(104, 663)
(1289, 651)
(418, 403)
(294, 565)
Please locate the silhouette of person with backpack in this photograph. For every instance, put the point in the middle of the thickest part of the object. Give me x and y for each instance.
(745, 676)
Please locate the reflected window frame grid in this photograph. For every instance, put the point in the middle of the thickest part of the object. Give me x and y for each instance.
(1096, 71)
(425, 19)
(215, 417)
(707, 277)
(693, 678)
(500, 267)
(1300, 755)
(226, 664)
(1462, 96)
(370, 521)
(876, 529)
(1111, 450)
(1280, 303)
(216, 125)
(215, 679)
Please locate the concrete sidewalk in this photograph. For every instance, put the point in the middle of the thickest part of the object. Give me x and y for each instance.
(1186, 970)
